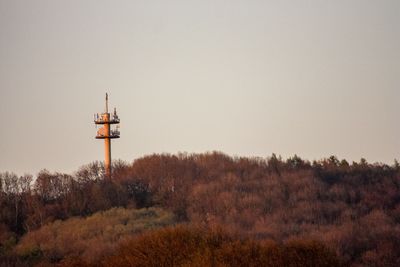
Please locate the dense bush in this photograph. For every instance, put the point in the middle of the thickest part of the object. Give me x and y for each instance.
(185, 246)
(89, 238)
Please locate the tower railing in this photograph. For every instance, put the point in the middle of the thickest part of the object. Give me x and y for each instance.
(113, 134)
(114, 119)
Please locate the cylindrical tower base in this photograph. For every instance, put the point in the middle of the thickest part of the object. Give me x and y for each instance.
(107, 162)
(107, 146)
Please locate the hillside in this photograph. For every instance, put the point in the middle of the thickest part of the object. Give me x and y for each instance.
(353, 209)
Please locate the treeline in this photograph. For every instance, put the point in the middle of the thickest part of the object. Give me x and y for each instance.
(352, 208)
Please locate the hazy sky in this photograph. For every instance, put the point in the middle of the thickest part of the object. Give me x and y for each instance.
(313, 78)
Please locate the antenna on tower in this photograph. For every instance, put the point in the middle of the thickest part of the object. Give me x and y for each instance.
(106, 102)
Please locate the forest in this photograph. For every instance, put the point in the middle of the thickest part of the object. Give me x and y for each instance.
(206, 209)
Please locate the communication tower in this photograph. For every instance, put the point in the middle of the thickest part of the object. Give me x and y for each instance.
(107, 133)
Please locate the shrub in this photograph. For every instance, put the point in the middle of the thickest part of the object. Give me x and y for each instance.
(90, 238)
(191, 246)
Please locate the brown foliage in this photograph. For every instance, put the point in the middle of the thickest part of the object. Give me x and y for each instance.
(329, 200)
(185, 246)
(90, 238)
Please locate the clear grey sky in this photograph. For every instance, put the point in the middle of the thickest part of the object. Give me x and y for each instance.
(313, 78)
